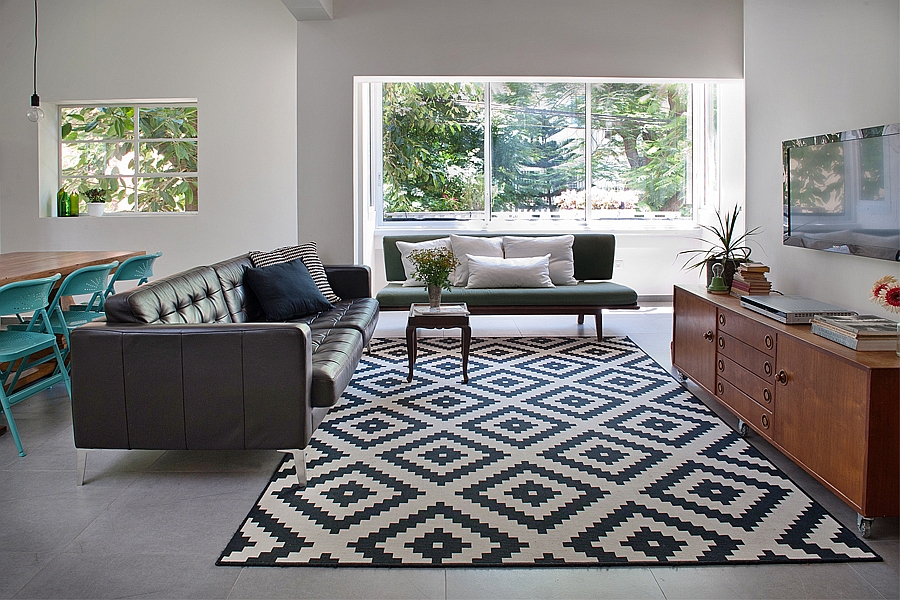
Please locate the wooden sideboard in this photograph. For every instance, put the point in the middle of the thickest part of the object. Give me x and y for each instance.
(832, 410)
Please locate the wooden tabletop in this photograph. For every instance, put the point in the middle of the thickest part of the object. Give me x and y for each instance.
(18, 266)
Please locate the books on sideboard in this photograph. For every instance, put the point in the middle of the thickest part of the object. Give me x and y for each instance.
(857, 332)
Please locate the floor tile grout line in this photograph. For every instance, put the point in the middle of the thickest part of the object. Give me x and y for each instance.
(658, 584)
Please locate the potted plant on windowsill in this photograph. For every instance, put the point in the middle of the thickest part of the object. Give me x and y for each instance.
(96, 202)
(433, 268)
(727, 247)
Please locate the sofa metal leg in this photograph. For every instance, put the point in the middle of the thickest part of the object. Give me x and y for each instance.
(299, 465)
(80, 465)
(598, 319)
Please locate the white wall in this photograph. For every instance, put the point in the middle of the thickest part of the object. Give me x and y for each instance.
(579, 38)
(236, 57)
(814, 67)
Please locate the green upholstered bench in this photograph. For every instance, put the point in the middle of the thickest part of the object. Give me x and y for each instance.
(594, 256)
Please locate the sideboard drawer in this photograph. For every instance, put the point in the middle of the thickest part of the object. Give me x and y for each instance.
(760, 364)
(752, 413)
(748, 331)
(760, 390)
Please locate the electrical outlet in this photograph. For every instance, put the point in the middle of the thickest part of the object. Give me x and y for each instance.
(617, 264)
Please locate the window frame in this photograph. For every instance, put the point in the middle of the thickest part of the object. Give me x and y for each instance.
(700, 192)
(135, 141)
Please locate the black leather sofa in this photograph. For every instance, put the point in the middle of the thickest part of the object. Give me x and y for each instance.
(180, 363)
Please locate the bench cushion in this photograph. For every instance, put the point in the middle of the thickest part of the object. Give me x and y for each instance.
(594, 293)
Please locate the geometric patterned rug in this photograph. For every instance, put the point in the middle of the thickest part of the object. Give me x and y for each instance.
(559, 452)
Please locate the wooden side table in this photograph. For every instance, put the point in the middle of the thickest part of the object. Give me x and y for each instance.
(448, 316)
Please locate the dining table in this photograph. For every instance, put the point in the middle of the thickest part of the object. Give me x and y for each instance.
(20, 266)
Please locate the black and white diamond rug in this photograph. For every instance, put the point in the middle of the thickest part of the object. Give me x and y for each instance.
(558, 452)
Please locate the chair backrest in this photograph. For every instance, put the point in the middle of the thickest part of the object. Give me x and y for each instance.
(86, 280)
(136, 268)
(26, 296)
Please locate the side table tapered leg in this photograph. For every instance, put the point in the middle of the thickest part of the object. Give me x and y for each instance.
(411, 350)
(466, 339)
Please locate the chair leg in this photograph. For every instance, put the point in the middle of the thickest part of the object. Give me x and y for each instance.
(80, 465)
(598, 320)
(61, 365)
(581, 319)
(10, 421)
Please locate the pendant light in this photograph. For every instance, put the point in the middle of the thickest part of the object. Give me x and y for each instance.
(35, 113)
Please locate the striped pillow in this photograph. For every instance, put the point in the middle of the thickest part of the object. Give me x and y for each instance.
(310, 257)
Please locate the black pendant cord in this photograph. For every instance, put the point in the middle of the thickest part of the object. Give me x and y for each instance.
(34, 71)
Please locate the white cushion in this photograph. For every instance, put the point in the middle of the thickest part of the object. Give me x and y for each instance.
(408, 267)
(492, 272)
(559, 247)
(463, 245)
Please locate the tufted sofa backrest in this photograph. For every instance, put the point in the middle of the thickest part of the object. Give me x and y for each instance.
(241, 302)
(193, 296)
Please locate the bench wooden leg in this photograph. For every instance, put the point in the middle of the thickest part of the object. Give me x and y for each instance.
(581, 319)
(598, 320)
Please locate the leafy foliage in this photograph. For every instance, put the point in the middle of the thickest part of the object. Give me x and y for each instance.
(434, 139)
(433, 146)
(647, 142)
(433, 266)
(100, 150)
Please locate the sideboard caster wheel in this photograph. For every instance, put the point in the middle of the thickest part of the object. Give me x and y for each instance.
(742, 429)
(680, 376)
(864, 525)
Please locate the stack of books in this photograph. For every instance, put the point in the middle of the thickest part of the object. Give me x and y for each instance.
(750, 280)
(858, 332)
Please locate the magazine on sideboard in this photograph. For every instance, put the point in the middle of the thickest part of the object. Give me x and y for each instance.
(858, 332)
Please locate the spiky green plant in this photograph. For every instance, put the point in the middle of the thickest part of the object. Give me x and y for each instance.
(727, 245)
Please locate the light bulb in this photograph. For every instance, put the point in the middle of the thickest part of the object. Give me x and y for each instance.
(35, 113)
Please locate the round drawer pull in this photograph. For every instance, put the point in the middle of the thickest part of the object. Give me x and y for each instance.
(709, 335)
(767, 367)
(721, 365)
(769, 342)
(765, 422)
(767, 395)
(720, 388)
(721, 342)
(721, 319)
(782, 377)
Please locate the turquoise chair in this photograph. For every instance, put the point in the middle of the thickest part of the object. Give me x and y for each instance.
(85, 281)
(136, 268)
(17, 348)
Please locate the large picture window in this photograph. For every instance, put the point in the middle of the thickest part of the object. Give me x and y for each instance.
(144, 157)
(528, 150)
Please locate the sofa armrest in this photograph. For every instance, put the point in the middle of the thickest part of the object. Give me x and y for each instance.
(350, 281)
(192, 386)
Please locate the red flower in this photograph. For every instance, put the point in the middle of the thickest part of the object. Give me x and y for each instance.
(892, 298)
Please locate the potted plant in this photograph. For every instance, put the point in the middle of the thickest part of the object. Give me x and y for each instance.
(727, 247)
(433, 268)
(96, 202)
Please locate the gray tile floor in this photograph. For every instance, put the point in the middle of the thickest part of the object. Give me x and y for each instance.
(151, 524)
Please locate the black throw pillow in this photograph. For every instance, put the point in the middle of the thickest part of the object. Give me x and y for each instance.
(286, 291)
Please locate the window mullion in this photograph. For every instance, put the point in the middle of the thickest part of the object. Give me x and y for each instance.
(588, 150)
(137, 157)
(488, 154)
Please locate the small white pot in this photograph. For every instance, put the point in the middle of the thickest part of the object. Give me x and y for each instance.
(95, 209)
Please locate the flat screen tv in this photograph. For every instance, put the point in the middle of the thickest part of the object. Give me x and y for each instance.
(842, 192)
